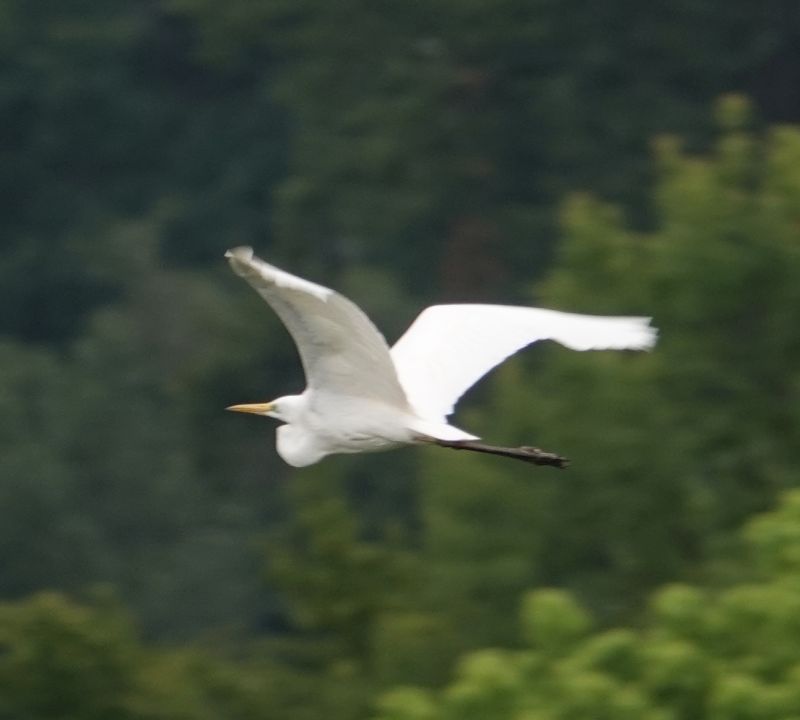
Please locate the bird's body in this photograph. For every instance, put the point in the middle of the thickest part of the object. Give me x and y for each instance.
(364, 426)
(362, 396)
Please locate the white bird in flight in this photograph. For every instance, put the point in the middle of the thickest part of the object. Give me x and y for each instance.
(362, 396)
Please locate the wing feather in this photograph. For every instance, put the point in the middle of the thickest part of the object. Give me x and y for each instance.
(342, 352)
(448, 348)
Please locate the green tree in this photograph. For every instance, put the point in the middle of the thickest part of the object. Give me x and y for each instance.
(102, 476)
(673, 450)
(439, 138)
(110, 117)
(480, 541)
(338, 587)
(61, 659)
(699, 654)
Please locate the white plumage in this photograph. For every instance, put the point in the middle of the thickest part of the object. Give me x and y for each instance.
(361, 396)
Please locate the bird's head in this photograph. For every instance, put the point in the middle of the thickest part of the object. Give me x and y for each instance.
(284, 409)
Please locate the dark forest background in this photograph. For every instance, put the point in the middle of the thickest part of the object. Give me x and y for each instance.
(157, 560)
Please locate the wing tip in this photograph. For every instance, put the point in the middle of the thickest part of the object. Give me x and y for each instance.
(240, 258)
(633, 333)
(647, 335)
(262, 275)
(243, 252)
(623, 333)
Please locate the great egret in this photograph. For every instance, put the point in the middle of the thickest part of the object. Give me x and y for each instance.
(362, 397)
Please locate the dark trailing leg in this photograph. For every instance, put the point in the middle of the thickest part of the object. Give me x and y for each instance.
(525, 453)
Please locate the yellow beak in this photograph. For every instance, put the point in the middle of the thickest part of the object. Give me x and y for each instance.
(255, 408)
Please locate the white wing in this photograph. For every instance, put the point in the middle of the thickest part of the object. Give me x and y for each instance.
(448, 348)
(342, 352)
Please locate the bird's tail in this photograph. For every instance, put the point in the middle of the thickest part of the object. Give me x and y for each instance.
(439, 431)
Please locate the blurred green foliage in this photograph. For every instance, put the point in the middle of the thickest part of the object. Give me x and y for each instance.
(158, 561)
(729, 654)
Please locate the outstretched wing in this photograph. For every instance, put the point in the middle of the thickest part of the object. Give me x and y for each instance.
(342, 352)
(448, 348)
